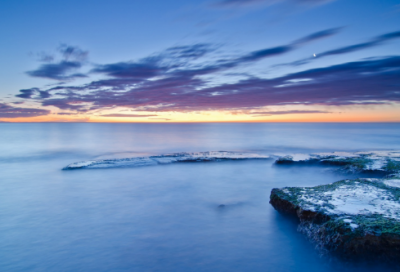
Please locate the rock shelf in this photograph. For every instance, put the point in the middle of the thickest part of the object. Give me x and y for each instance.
(352, 219)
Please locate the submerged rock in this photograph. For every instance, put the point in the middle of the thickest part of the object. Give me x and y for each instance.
(350, 219)
(209, 156)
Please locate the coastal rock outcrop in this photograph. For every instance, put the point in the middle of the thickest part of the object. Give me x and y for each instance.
(385, 162)
(351, 219)
(209, 156)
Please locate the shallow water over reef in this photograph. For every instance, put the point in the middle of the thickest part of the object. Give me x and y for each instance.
(205, 216)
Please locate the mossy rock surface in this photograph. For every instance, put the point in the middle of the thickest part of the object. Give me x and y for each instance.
(351, 219)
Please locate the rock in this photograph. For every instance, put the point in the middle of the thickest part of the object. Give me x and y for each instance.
(385, 162)
(209, 156)
(356, 220)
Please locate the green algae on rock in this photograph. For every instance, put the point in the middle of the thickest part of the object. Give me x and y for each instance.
(351, 219)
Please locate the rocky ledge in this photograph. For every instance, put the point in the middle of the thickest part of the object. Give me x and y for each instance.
(384, 162)
(350, 219)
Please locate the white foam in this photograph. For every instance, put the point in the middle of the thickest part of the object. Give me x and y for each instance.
(392, 182)
(377, 164)
(336, 155)
(82, 164)
(296, 157)
(300, 157)
(356, 199)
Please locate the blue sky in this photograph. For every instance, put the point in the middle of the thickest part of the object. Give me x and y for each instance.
(64, 51)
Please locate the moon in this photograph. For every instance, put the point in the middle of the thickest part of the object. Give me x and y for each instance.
(314, 55)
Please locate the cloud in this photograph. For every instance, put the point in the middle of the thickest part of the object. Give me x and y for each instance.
(127, 115)
(170, 81)
(65, 113)
(74, 53)
(189, 51)
(58, 71)
(69, 120)
(230, 3)
(130, 70)
(355, 47)
(372, 81)
(269, 113)
(70, 102)
(73, 58)
(156, 65)
(243, 3)
(269, 52)
(45, 57)
(319, 35)
(162, 119)
(314, 2)
(44, 94)
(7, 111)
(29, 93)
(349, 49)
(279, 50)
(175, 61)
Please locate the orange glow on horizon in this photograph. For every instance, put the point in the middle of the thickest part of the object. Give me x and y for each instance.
(357, 115)
(298, 113)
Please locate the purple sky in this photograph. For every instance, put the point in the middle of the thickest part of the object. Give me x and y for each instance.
(262, 58)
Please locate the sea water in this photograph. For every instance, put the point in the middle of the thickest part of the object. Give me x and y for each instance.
(197, 216)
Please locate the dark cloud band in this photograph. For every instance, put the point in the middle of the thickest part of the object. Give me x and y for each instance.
(7, 111)
(372, 81)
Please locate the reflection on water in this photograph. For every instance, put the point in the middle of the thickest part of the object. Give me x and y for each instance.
(182, 217)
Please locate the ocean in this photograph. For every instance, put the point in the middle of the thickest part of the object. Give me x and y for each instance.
(193, 216)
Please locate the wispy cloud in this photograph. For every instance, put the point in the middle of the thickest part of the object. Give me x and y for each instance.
(58, 71)
(127, 115)
(7, 111)
(269, 113)
(73, 58)
(65, 113)
(161, 119)
(29, 93)
(243, 3)
(349, 48)
(176, 61)
(73, 53)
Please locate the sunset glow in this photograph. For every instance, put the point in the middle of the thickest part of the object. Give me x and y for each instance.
(220, 71)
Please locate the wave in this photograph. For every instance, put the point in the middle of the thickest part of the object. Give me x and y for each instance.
(210, 156)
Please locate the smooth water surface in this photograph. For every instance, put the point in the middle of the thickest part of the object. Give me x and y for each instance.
(180, 217)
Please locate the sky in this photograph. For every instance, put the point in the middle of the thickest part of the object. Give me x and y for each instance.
(200, 61)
